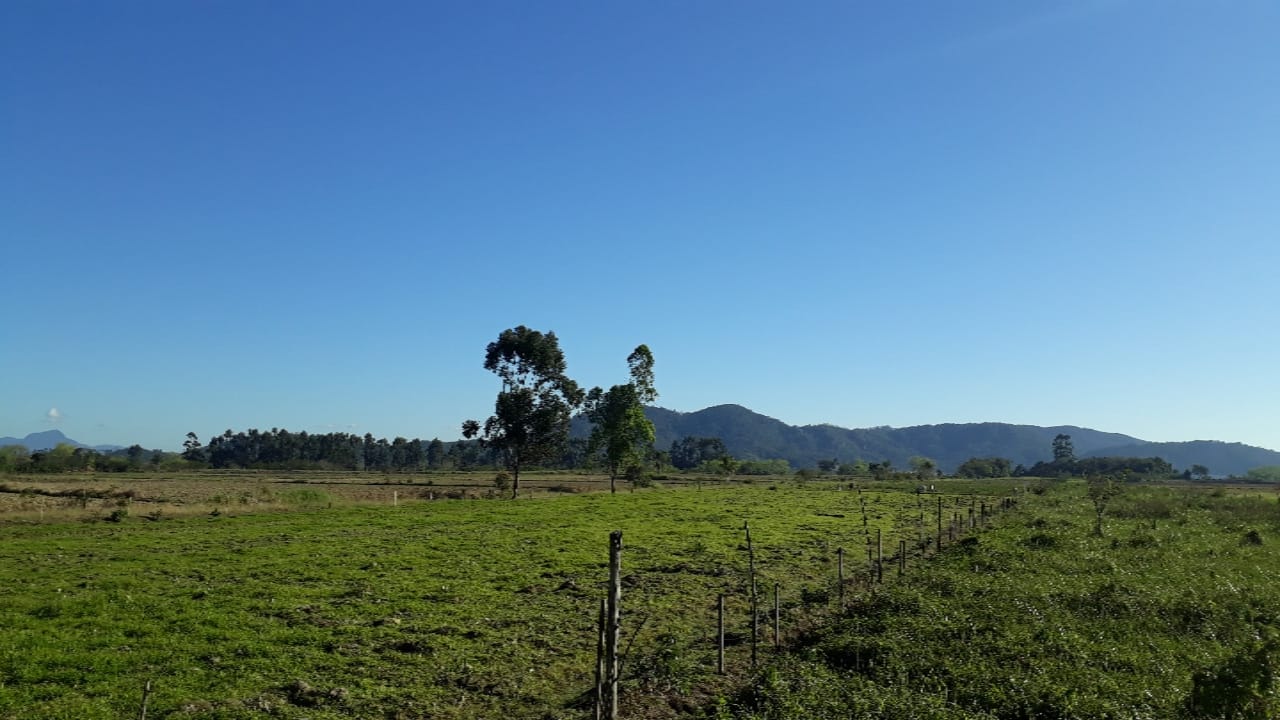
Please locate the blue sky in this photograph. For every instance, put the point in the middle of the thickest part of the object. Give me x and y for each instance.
(315, 215)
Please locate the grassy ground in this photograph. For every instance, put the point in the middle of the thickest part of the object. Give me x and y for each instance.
(458, 609)
(34, 497)
(347, 606)
(1173, 613)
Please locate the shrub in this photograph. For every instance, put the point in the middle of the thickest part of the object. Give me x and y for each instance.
(1041, 540)
(1241, 687)
(638, 478)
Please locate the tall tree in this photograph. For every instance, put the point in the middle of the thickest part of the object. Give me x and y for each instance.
(924, 468)
(1101, 489)
(435, 454)
(191, 449)
(620, 432)
(1063, 449)
(135, 454)
(531, 416)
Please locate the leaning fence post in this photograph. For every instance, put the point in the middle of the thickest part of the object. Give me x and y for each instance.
(146, 695)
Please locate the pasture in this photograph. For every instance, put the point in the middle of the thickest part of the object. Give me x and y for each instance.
(1173, 613)
(446, 608)
(255, 596)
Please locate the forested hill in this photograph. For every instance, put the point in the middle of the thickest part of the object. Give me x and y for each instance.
(748, 434)
(1221, 458)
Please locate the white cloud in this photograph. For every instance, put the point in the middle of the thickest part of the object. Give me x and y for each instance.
(53, 416)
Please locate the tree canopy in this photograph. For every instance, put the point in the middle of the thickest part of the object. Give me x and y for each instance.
(621, 434)
(690, 452)
(988, 467)
(1063, 449)
(530, 423)
(1266, 473)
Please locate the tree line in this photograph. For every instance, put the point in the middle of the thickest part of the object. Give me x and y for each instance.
(283, 450)
(70, 458)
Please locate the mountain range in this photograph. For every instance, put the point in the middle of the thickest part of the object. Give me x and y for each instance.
(49, 439)
(750, 435)
(747, 434)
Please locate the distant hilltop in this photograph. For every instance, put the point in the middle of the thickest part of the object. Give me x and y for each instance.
(748, 434)
(49, 439)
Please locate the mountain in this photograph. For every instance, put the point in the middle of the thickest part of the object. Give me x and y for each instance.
(49, 439)
(1221, 458)
(748, 434)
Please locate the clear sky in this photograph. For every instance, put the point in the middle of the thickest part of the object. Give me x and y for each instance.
(315, 215)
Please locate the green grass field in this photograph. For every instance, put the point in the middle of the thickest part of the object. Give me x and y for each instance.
(1173, 614)
(469, 608)
(486, 608)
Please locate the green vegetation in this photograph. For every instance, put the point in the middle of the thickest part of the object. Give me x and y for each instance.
(471, 609)
(690, 452)
(65, 457)
(530, 421)
(988, 467)
(460, 609)
(1063, 449)
(620, 433)
(1266, 473)
(1173, 615)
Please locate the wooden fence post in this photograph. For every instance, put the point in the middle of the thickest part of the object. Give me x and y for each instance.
(146, 695)
(720, 636)
(777, 617)
(879, 556)
(614, 631)
(755, 606)
(840, 575)
(902, 557)
(939, 522)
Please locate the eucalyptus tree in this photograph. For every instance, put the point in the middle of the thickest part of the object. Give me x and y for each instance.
(924, 468)
(530, 421)
(620, 433)
(1063, 449)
